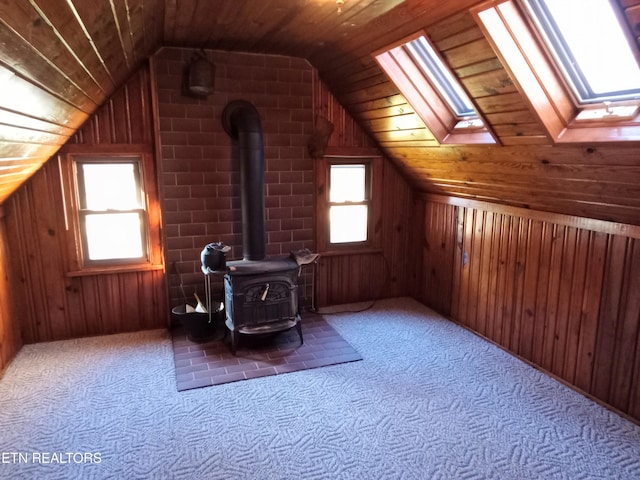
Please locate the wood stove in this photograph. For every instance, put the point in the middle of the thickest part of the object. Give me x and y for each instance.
(261, 294)
(261, 297)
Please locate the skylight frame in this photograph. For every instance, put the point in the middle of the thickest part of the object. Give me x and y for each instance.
(566, 61)
(533, 71)
(434, 70)
(427, 99)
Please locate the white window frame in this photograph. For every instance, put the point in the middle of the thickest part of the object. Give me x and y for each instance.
(519, 48)
(568, 65)
(153, 257)
(374, 201)
(83, 211)
(366, 201)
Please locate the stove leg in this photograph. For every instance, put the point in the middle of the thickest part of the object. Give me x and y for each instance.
(299, 328)
(234, 341)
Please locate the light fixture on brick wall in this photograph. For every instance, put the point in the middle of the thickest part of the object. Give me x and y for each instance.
(200, 76)
(339, 4)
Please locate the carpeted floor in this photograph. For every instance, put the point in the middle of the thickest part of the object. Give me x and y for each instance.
(429, 400)
(203, 364)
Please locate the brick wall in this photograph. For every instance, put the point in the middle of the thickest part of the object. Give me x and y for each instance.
(200, 190)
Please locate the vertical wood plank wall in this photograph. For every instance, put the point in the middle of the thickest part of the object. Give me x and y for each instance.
(10, 340)
(52, 305)
(367, 276)
(559, 291)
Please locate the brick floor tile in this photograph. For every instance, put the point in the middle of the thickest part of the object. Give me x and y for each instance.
(211, 363)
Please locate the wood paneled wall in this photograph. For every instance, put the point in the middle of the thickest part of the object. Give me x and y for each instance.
(353, 277)
(631, 10)
(557, 290)
(53, 305)
(10, 339)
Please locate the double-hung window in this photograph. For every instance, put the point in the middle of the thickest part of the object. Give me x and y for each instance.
(111, 210)
(349, 202)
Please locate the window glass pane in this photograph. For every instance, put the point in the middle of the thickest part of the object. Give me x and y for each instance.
(590, 46)
(348, 223)
(113, 235)
(434, 69)
(348, 183)
(110, 186)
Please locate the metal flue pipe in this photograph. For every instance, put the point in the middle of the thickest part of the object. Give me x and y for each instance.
(241, 121)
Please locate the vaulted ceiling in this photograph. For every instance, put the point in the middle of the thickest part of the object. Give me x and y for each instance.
(61, 59)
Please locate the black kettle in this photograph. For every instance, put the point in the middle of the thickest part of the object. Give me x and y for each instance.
(213, 256)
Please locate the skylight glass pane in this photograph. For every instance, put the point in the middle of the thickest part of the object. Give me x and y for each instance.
(435, 70)
(110, 186)
(590, 46)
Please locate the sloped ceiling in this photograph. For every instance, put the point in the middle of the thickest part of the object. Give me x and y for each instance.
(61, 59)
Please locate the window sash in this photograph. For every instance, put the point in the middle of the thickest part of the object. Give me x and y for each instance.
(519, 48)
(427, 99)
(432, 67)
(89, 242)
(84, 212)
(566, 61)
(80, 179)
(358, 231)
(367, 201)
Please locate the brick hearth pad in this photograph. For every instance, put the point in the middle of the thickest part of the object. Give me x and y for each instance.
(211, 363)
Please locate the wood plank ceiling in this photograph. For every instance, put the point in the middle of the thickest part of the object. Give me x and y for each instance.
(61, 59)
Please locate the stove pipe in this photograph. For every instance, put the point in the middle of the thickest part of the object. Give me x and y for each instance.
(241, 121)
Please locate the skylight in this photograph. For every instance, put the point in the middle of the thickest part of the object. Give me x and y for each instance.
(578, 99)
(433, 91)
(590, 48)
(435, 70)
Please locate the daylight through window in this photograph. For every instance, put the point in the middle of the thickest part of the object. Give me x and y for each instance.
(434, 92)
(434, 69)
(111, 210)
(349, 202)
(584, 84)
(589, 45)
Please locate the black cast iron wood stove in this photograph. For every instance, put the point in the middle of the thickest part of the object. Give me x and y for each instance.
(261, 297)
(261, 294)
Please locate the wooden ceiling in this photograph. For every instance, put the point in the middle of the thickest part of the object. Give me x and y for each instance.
(61, 59)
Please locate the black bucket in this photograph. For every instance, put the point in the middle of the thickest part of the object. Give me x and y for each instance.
(197, 324)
